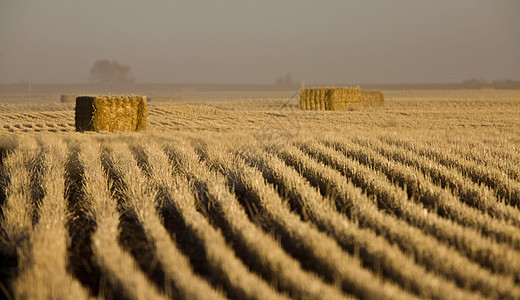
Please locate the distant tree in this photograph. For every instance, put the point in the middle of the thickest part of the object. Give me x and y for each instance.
(110, 71)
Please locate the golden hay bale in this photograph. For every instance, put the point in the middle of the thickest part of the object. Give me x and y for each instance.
(329, 98)
(343, 98)
(304, 96)
(314, 95)
(111, 113)
(372, 99)
(67, 98)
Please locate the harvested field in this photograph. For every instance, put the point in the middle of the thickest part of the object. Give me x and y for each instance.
(257, 199)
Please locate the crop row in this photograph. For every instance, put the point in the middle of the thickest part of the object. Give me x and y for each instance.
(201, 217)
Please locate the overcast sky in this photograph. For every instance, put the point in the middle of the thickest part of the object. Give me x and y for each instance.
(240, 41)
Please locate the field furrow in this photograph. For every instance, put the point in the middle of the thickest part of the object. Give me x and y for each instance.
(219, 262)
(42, 243)
(258, 249)
(495, 256)
(140, 200)
(18, 207)
(118, 267)
(316, 251)
(427, 250)
(480, 197)
(374, 250)
(437, 199)
(504, 187)
(503, 155)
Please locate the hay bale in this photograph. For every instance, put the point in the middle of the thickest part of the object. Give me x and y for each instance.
(329, 98)
(304, 99)
(372, 99)
(67, 98)
(344, 98)
(111, 113)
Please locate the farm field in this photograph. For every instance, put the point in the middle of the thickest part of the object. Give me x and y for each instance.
(248, 197)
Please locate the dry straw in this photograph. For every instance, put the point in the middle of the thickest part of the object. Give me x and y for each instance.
(329, 98)
(111, 113)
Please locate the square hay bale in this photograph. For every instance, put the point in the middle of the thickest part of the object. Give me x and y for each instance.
(111, 113)
(304, 99)
(67, 98)
(344, 98)
(372, 99)
(329, 98)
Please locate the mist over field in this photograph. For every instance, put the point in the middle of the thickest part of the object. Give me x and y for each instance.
(235, 41)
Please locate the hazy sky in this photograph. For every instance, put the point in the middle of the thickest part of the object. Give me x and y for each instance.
(240, 41)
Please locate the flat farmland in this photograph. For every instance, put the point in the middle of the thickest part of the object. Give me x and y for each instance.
(245, 196)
